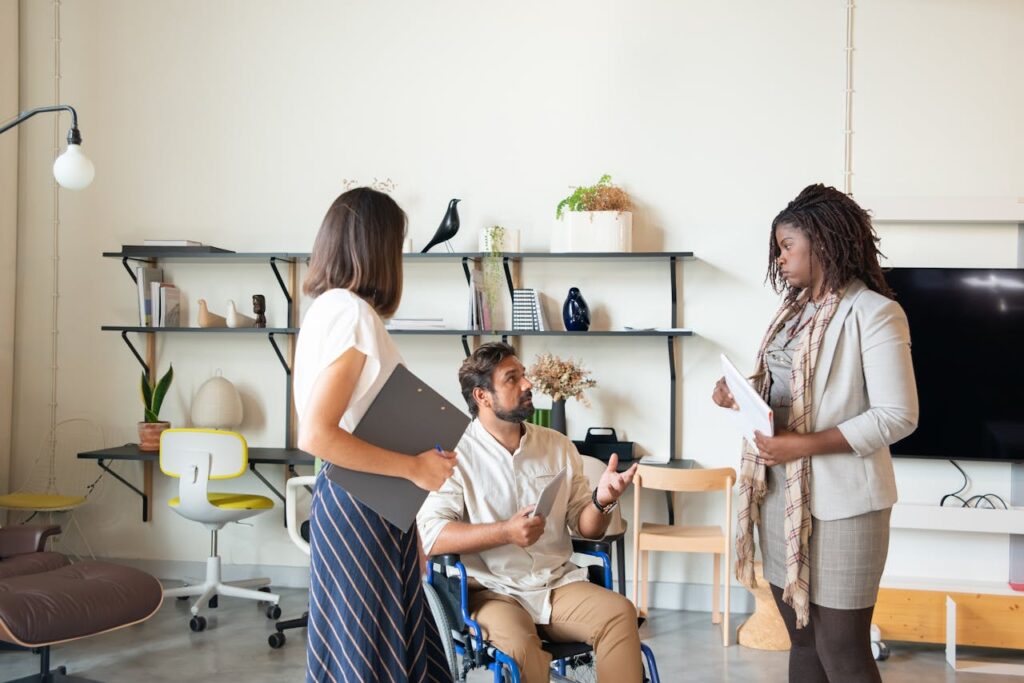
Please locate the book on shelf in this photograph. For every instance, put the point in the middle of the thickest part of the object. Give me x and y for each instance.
(480, 315)
(170, 306)
(171, 243)
(145, 276)
(527, 311)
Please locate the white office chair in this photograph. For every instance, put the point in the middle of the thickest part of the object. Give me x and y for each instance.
(194, 457)
(299, 533)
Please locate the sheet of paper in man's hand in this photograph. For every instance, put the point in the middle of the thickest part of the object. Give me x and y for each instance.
(549, 495)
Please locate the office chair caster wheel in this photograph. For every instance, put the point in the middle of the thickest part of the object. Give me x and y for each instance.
(274, 612)
(197, 624)
(276, 640)
(880, 651)
(212, 604)
(182, 598)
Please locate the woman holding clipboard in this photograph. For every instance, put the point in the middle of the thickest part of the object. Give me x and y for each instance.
(835, 367)
(368, 619)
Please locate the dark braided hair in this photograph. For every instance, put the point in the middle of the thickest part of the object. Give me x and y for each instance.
(841, 236)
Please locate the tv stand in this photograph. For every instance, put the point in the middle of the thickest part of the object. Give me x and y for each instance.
(990, 614)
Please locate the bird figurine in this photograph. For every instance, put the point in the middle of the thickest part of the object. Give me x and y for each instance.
(236, 319)
(449, 226)
(207, 319)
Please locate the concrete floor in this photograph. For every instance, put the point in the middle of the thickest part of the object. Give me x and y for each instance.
(234, 648)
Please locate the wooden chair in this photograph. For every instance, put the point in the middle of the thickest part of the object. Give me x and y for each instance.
(649, 537)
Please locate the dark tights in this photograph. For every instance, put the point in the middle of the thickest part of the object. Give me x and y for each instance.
(834, 647)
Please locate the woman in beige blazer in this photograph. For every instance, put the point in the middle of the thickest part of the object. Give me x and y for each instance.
(835, 366)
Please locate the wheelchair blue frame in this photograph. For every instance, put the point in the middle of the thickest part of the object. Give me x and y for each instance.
(481, 653)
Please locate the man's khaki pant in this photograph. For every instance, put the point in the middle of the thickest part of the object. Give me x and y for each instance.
(582, 612)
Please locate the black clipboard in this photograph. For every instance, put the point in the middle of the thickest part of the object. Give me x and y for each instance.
(409, 417)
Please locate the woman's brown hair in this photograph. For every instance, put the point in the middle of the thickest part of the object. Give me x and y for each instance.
(359, 248)
(842, 238)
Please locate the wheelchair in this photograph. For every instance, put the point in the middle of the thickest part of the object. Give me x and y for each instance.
(448, 597)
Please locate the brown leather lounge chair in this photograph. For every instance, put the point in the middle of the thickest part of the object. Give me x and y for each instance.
(45, 600)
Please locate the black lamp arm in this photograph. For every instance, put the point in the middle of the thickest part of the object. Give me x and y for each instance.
(74, 137)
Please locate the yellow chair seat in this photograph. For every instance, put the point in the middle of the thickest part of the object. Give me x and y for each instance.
(233, 501)
(39, 501)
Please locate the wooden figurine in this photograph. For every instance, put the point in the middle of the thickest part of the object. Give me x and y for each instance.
(259, 307)
(207, 319)
(236, 319)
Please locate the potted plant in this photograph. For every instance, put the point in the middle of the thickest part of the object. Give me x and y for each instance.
(495, 242)
(594, 218)
(560, 379)
(152, 399)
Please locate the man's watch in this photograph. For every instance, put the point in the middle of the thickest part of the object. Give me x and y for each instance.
(603, 509)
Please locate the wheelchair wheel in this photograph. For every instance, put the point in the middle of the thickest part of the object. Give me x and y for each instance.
(444, 628)
(581, 669)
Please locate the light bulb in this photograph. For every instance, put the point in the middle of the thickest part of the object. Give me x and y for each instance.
(72, 169)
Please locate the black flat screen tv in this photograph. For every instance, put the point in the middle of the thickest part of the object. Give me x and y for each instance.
(967, 341)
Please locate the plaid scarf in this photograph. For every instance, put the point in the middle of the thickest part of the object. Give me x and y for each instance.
(752, 480)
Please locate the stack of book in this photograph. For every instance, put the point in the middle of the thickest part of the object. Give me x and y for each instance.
(480, 315)
(159, 302)
(527, 312)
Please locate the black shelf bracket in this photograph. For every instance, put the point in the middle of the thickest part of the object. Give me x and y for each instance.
(252, 468)
(280, 280)
(465, 269)
(131, 273)
(280, 356)
(508, 278)
(145, 499)
(138, 357)
(465, 345)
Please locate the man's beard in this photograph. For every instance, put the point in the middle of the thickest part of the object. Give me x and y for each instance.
(520, 413)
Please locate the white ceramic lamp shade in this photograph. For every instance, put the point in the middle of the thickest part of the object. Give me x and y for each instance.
(73, 170)
(217, 405)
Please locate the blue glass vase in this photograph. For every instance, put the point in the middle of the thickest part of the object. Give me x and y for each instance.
(575, 312)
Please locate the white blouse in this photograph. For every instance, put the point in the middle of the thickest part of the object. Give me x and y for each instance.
(337, 321)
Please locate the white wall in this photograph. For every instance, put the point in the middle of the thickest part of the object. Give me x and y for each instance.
(8, 223)
(234, 123)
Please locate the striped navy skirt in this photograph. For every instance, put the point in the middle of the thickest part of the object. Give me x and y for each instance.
(368, 618)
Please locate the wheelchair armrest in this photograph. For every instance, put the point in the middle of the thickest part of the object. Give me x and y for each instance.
(586, 546)
(600, 549)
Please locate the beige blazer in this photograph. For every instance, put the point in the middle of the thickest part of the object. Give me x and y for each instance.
(864, 385)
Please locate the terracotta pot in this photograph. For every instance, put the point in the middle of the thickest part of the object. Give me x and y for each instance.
(149, 435)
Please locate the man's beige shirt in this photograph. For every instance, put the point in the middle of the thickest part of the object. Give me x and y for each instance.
(491, 485)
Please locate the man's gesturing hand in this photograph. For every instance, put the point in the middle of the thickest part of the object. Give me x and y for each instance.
(614, 484)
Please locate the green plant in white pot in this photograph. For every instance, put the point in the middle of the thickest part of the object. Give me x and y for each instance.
(594, 218)
(152, 426)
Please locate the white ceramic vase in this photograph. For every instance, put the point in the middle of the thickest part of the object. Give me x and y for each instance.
(217, 405)
(508, 243)
(597, 231)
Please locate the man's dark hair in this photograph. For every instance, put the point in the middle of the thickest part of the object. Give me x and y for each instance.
(478, 370)
(842, 237)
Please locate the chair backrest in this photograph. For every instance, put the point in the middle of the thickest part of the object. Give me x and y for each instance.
(594, 468)
(226, 452)
(688, 481)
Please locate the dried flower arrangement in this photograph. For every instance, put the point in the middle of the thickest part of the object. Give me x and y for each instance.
(386, 185)
(561, 379)
(603, 196)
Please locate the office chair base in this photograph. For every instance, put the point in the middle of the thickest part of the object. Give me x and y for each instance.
(48, 675)
(213, 586)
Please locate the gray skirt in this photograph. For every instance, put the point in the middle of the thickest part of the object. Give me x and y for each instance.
(847, 555)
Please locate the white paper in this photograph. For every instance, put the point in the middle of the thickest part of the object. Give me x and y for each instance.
(546, 500)
(754, 414)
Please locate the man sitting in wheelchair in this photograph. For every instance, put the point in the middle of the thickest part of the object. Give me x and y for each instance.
(522, 585)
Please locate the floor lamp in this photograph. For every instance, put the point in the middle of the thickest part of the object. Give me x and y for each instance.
(74, 171)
